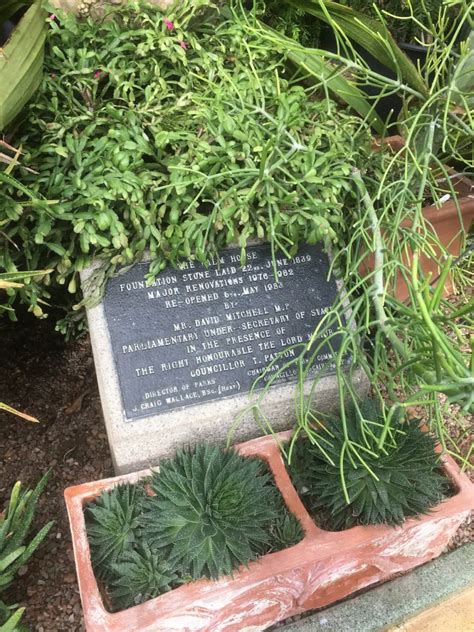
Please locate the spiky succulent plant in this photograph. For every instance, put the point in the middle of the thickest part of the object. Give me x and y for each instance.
(287, 531)
(113, 525)
(141, 574)
(407, 482)
(213, 510)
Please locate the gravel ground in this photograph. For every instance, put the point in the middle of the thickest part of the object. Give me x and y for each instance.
(42, 375)
(53, 380)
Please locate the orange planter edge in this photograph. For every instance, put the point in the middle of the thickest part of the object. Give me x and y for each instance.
(321, 569)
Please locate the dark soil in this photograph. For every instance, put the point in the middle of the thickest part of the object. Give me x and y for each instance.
(54, 380)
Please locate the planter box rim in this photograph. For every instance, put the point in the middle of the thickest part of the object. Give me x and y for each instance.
(316, 543)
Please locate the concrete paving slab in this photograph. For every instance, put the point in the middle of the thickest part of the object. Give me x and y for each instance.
(455, 614)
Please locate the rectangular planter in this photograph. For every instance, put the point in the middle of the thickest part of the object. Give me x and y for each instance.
(321, 569)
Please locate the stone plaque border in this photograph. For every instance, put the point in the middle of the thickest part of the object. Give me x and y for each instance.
(142, 442)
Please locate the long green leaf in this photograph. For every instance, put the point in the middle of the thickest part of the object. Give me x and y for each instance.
(371, 34)
(10, 7)
(30, 549)
(15, 277)
(463, 79)
(6, 521)
(21, 62)
(18, 413)
(312, 61)
(5, 580)
(27, 518)
(13, 621)
(10, 558)
(338, 84)
(10, 180)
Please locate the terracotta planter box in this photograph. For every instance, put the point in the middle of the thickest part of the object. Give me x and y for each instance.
(447, 224)
(321, 569)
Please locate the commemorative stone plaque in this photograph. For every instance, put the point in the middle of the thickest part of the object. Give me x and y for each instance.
(176, 359)
(204, 333)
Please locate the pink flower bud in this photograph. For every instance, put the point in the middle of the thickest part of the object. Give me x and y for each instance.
(169, 25)
(183, 44)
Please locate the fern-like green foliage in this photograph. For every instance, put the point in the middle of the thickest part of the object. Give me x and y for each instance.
(140, 575)
(213, 509)
(113, 525)
(406, 478)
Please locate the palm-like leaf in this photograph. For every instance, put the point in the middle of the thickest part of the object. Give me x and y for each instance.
(370, 33)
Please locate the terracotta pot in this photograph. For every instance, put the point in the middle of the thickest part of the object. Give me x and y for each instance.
(321, 569)
(447, 224)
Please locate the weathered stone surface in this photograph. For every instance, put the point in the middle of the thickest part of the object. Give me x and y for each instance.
(130, 331)
(323, 568)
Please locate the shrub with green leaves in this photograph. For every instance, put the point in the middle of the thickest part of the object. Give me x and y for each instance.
(15, 549)
(212, 511)
(177, 135)
(403, 480)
